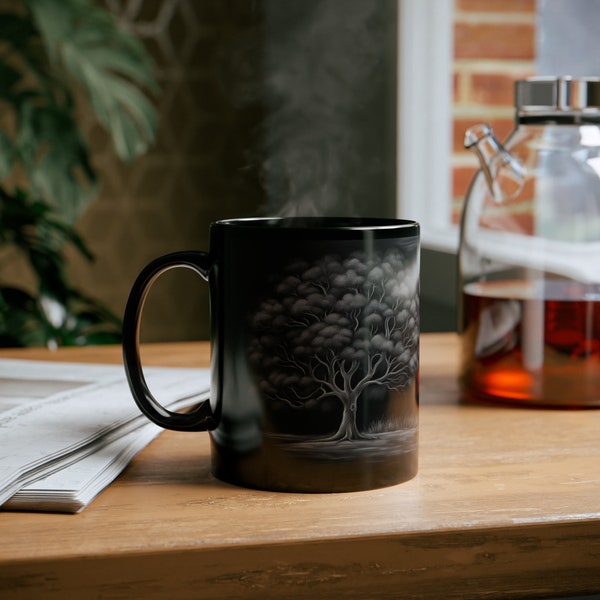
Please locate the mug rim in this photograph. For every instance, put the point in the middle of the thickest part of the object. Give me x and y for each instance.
(323, 225)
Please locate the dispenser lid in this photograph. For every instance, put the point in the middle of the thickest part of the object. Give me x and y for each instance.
(557, 96)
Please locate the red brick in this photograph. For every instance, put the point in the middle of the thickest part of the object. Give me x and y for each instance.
(514, 214)
(456, 77)
(514, 41)
(509, 220)
(504, 43)
(461, 179)
(493, 88)
(456, 213)
(502, 6)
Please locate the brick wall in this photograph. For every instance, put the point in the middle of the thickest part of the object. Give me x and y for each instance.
(494, 44)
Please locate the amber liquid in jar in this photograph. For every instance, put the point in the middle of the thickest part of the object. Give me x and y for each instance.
(532, 342)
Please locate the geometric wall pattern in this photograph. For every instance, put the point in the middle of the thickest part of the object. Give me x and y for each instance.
(195, 174)
(253, 94)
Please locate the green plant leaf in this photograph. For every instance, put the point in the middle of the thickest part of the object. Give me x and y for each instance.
(46, 321)
(47, 50)
(30, 225)
(24, 58)
(9, 78)
(86, 44)
(18, 31)
(7, 155)
(21, 323)
(56, 159)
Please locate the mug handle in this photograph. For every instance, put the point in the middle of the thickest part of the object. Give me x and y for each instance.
(201, 418)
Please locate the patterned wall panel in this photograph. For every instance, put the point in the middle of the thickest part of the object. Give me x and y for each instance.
(195, 174)
(266, 107)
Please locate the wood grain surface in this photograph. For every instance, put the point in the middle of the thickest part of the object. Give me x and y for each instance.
(506, 505)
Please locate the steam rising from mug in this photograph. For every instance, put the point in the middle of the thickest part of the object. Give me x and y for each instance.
(327, 138)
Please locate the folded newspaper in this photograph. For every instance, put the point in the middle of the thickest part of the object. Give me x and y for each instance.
(68, 429)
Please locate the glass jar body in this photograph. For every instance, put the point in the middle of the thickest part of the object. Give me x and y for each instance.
(529, 273)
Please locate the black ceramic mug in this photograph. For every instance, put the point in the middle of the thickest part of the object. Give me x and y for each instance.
(315, 352)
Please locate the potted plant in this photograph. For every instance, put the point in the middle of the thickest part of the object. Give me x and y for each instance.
(54, 56)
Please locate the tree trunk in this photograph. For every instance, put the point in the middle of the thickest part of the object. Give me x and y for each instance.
(348, 429)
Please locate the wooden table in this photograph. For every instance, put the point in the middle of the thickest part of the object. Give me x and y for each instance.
(506, 504)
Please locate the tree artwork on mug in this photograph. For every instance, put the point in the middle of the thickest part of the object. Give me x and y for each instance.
(342, 330)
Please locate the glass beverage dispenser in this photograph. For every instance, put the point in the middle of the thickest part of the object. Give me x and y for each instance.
(529, 259)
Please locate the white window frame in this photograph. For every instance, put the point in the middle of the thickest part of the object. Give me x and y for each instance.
(424, 140)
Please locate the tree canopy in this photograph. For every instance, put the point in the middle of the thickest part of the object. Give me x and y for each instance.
(337, 326)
